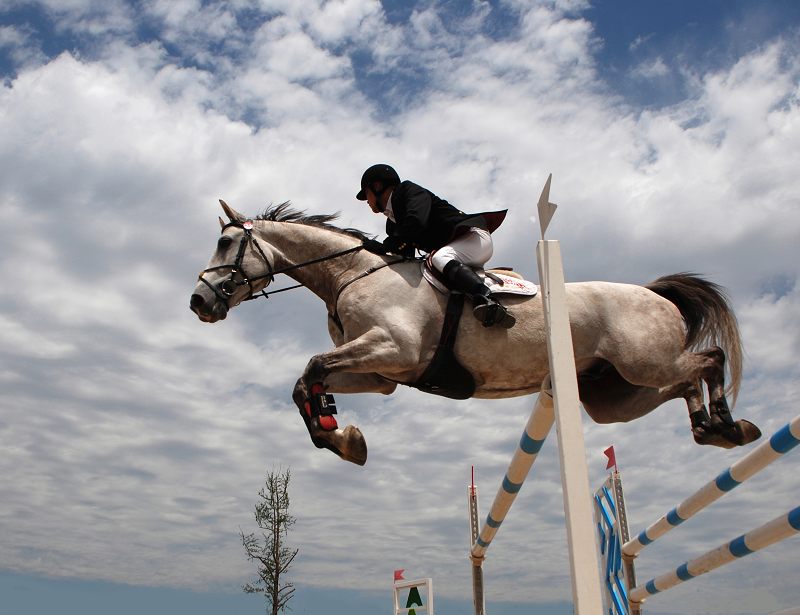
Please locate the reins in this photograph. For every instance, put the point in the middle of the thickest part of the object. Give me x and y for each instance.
(275, 272)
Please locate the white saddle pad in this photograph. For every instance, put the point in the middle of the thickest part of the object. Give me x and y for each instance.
(508, 285)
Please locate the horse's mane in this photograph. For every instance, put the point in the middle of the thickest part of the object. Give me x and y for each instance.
(286, 213)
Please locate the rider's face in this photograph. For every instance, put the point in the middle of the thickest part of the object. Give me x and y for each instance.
(372, 201)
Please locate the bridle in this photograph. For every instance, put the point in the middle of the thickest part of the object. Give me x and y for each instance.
(238, 276)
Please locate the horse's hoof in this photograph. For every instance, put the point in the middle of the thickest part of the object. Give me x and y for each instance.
(747, 432)
(353, 447)
(727, 436)
(347, 443)
(707, 437)
(736, 433)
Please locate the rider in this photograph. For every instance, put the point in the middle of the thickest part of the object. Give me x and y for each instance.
(456, 241)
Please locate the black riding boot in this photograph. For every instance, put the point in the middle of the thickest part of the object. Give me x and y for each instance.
(486, 309)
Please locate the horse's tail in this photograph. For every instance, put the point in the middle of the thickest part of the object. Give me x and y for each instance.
(709, 319)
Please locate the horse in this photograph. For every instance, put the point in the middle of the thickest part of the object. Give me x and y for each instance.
(635, 347)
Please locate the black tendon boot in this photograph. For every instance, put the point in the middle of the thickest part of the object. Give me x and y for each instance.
(486, 309)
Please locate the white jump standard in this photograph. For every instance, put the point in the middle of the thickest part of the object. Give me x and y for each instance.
(555, 403)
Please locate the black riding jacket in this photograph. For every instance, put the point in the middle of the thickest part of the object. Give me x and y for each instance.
(424, 221)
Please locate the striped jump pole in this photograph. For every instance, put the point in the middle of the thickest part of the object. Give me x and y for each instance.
(776, 530)
(536, 431)
(562, 407)
(781, 442)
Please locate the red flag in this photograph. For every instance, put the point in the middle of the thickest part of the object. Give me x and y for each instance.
(398, 574)
(612, 458)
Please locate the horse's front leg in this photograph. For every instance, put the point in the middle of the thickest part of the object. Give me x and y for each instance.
(350, 368)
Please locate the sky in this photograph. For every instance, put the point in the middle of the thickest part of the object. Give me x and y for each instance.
(135, 438)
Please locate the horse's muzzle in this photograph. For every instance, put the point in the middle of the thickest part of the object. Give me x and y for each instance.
(217, 310)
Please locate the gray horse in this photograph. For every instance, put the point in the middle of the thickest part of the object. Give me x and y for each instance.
(636, 347)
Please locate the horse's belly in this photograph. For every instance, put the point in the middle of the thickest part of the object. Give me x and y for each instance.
(505, 362)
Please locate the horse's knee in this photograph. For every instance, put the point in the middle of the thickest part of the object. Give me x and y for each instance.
(315, 370)
(713, 365)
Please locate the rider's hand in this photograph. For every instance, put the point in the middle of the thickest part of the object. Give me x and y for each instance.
(394, 245)
(376, 247)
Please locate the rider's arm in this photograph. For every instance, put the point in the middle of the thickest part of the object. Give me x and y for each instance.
(412, 209)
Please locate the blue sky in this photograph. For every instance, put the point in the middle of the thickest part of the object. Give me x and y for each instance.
(671, 129)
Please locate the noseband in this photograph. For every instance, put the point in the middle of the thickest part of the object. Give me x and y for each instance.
(238, 276)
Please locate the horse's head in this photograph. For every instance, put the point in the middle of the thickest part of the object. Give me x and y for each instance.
(239, 267)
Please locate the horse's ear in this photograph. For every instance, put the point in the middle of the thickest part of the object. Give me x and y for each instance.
(232, 214)
(222, 223)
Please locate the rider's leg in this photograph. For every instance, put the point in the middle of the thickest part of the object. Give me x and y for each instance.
(486, 309)
(454, 260)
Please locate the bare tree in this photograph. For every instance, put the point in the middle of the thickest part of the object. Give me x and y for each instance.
(274, 559)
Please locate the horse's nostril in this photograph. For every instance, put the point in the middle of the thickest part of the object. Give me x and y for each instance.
(196, 301)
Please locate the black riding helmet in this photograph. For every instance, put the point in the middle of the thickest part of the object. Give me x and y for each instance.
(377, 173)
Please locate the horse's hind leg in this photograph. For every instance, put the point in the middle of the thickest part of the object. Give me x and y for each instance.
(717, 427)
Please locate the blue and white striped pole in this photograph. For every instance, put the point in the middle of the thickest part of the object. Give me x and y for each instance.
(776, 530)
(784, 440)
(539, 425)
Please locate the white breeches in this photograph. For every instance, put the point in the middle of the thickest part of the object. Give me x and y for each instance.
(472, 248)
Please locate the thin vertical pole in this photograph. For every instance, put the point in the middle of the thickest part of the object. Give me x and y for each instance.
(478, 597)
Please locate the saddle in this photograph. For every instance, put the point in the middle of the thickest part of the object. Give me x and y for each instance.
(444, 375)
(500, 281)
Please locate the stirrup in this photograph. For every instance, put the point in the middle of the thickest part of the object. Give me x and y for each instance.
(492, 313)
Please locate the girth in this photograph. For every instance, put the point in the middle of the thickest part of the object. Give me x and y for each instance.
(444, 375)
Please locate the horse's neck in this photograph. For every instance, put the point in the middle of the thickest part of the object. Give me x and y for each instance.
(299, 243)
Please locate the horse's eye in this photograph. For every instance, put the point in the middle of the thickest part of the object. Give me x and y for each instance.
(224, 243)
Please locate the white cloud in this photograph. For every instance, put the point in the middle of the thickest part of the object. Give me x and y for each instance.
(640, 40)
(341, 20)
(652, 69)
(294, 56)
(17, 43)
(19, 340)
(92, 17)
(769, 324)
(11, 37)
(109, 173)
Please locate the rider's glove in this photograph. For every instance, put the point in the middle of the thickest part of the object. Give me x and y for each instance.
(376, 247)
(397, 246)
